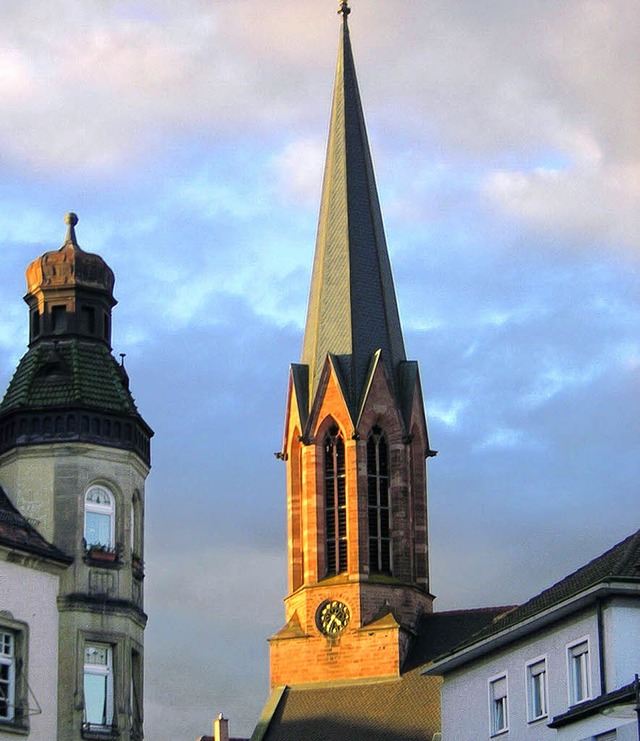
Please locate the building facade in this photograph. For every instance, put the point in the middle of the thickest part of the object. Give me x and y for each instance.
(74, 457)
(561, 666)
(30, 573)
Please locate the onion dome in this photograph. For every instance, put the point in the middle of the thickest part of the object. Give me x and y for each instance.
(70, 265)
(68, 386)
(70, 292)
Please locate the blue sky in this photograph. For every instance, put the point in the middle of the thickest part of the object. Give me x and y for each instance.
(190, 138)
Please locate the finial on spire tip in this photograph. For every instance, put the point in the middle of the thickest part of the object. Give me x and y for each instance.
(344, 8)
(71, 220)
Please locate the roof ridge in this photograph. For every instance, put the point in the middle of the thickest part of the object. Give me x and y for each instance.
(463, 611)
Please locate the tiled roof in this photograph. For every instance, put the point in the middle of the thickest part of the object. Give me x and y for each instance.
(69, 373)
(439, 632)
(352, 304)
(16, 533)
(623, 696)
(405, 708)
(620, 563)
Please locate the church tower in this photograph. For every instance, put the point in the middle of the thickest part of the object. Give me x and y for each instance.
(355, 438)
(74, 457)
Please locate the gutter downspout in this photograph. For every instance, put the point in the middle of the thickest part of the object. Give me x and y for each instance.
(636, 687)
(601, 657)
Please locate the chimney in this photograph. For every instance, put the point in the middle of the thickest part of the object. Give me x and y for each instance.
(220, 729)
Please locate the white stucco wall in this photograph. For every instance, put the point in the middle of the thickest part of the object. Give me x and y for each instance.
(29, 596)
(465, 692)
(622, 623)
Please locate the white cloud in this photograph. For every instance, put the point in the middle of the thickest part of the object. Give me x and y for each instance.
(298, 168)
(595, 204)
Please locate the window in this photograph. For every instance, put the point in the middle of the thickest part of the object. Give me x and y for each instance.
(578, 659)
(7, 675)
(99, 516)
(98, 686)
(13, 680)
(136, 699)
(498, 705)
(537, 689)
(335, 502)
(59, 319)
(378, 498)
(136, 526)
(35, 324)
(87, 320)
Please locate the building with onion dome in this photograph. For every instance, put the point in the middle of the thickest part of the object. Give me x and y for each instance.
(74, 457)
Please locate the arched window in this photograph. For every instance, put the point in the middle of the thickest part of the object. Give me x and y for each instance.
(335, 502)
(99, 517)
(136, 526)
(378, 501)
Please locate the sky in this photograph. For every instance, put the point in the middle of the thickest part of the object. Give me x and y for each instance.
(189, 138)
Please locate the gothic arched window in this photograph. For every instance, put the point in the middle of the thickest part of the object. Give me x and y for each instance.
(99, 517)
(378, 503)
(335, 502)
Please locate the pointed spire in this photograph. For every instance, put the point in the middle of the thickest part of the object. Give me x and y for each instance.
(344, 9)
(71, 220)
(352, 309)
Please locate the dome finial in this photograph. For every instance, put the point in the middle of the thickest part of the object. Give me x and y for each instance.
(71, 220)
(344, 9)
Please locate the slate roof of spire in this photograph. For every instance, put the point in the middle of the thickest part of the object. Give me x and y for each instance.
(17, 533)
(352, 304)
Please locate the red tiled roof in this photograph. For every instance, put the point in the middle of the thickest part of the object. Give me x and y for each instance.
(17, 533)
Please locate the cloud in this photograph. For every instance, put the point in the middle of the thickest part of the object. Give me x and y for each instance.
(596, 205)
(298, 170)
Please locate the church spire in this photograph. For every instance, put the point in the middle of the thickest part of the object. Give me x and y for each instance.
(352, 309)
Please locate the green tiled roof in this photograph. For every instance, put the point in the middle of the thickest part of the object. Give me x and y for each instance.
(69, 373)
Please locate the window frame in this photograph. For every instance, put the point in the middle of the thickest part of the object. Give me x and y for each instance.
(18, 717)
(100, 509)
(530, 679)
(95, 670)
(379, 503)
(494, 730)
(334, 468)
(585, 670)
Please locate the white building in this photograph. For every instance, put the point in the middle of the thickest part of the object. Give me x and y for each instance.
(30, 570)
(561, 666)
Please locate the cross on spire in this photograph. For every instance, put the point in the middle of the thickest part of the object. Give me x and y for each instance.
(344, 8)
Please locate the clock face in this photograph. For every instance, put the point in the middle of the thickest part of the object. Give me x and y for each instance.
(332, 617)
